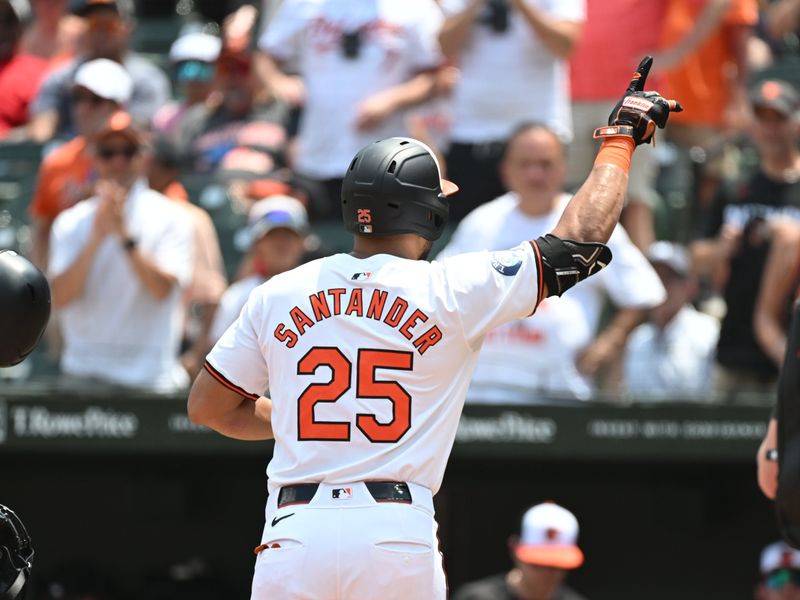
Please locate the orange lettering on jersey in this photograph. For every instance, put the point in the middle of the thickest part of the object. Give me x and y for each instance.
(396, 312)
(364, 215)
(285, 335)
(428, 339)
(301, 320)
(337, 299)
(319, 304)
(355, 305)
(376, 304)
(417, 316)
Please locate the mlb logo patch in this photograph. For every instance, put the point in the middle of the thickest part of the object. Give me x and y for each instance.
(342, 493)
(361, 276)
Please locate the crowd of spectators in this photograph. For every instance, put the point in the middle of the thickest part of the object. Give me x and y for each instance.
(165, 178)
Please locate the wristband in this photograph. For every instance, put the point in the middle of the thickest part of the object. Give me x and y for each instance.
(616, 151)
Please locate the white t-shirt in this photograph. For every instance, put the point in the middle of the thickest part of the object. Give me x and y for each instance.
(533, 360)
(510, 78)
(398, 40)
(336, 338)
(231, 304)
(674, 363)
(116, 331)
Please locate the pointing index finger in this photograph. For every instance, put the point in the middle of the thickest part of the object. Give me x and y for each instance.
(640, 76)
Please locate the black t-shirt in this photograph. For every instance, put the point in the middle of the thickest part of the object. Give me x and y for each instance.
(495, 588)
(749, 205)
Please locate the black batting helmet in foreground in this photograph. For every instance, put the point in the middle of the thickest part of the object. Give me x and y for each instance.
(395, 186)
(16, 554)
(24, 307)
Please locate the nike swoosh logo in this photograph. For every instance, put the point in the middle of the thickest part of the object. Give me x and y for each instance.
(277, 520)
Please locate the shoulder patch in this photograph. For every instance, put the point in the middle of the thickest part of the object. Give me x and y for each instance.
(507, 262)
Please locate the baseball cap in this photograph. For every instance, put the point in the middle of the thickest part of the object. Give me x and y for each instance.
(274, 212)
(779, 555)
(105, 78)
(120, 123)
(671, 255)
(196, 45)
(549, 537)
(776, 94)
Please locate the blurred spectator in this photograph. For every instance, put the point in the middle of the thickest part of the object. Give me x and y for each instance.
(20, 73)
(237, 130)
(52, 34)
(277, 227)
(556, 354)
(545, 550)
(512, 55)
(780, 573)
(705, 60)
(612, 43)
(118, 264)
(109, 27)
(194, 58)
(672, 356)
(778, 290)
(100, 88)
(362, 64)
(208, 281)
(737, 235)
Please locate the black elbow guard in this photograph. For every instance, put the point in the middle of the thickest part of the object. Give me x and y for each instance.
(566, 262)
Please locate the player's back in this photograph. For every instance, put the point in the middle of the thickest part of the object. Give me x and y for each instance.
(368, 360)
(365, 368)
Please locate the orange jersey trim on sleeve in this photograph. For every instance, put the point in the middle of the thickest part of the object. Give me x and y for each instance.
(224, 381)
(540, 282)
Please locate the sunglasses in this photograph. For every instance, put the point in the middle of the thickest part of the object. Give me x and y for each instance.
(780, 579)
(107, 152)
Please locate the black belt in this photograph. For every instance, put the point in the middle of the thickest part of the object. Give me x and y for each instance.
(381, 491)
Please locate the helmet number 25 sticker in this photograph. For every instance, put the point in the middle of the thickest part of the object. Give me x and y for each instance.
(367, 386)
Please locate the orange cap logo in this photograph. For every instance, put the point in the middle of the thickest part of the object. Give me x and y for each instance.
(770, 90)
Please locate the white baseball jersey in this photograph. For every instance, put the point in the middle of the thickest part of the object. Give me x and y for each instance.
(367, 361)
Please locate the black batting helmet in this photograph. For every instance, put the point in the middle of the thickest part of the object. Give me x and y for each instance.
(24, 307)
(16, 555)
(395, 186)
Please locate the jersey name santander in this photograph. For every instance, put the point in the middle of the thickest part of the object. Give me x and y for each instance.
(368, 361)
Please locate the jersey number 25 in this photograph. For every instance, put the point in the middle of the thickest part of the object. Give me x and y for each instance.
(309, 428)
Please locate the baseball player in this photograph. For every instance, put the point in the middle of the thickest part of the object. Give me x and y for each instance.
(368, 356)
(24, 307)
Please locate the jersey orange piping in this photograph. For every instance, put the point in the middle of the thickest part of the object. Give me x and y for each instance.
(539, 290)
(231, 386)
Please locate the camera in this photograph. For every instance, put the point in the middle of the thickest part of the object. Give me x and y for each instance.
(496, 15)
(351, 44)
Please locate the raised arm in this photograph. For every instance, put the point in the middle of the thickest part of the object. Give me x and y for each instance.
(576, 247)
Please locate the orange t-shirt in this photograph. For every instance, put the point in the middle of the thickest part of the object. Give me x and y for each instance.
(63, 179)
(699, 82)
